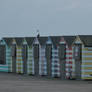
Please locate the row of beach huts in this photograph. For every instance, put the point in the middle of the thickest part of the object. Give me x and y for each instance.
(65, 57)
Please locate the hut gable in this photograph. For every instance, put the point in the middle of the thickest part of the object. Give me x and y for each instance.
(36, 41)
(2, 42)
(49, 41)
(77, 40)
(86, 39)
(69, 40)
(13, 41)
(55, 40)
(19, 41)
(29, 40)
(62, 41)
(8, 41)
(42, 40)
(24, 42)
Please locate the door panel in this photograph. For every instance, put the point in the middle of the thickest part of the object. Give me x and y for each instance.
(24, 57)
(48, 57)
(2, 54)
(77, 57)
(36, 58)
(62, 58)
(78, 69)
(13, 58)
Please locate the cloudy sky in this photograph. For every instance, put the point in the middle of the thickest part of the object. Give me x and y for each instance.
(51, 17)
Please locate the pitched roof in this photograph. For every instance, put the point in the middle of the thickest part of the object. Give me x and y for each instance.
(19, 40)
(86, 39)
(42, 40)
(55, 40)
(8, 41)
(29, 40)
(69, 39)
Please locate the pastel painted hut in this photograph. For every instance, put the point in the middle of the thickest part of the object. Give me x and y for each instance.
(30, 58)
(19, 58)
(65, 56)
(42, 56)
(83, 57)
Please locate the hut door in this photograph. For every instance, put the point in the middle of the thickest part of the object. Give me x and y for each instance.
(62, 56)
(2, 54)
(24, 57)
(48, 56)
(77, 56)
(14, 58)
(36, 59)
(78, 69)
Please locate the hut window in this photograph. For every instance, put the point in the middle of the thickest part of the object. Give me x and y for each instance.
(2, 54)
(62, 51)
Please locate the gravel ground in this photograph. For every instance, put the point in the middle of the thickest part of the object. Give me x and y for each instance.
(22, 83)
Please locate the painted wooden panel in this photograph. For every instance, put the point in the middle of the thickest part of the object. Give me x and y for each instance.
(9, 58)
(36, 58)
(87, 63)
(3, 54)
(3, 68)
(69, 60)
(49, 58)
(24, 58)
(30, 61)
(77, 41)
(62, 58)
(13, 54)
(19, 60)
(55, 63)
(42, 61)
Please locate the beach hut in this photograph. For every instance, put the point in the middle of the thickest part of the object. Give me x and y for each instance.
(30, 58)
(55, 64)
(49, 56)
(83, 57)
(3, 63)
(42, 56)
(65, 56)
(19, 58)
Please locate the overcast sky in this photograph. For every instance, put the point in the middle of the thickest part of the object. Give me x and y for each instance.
(51, 17)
